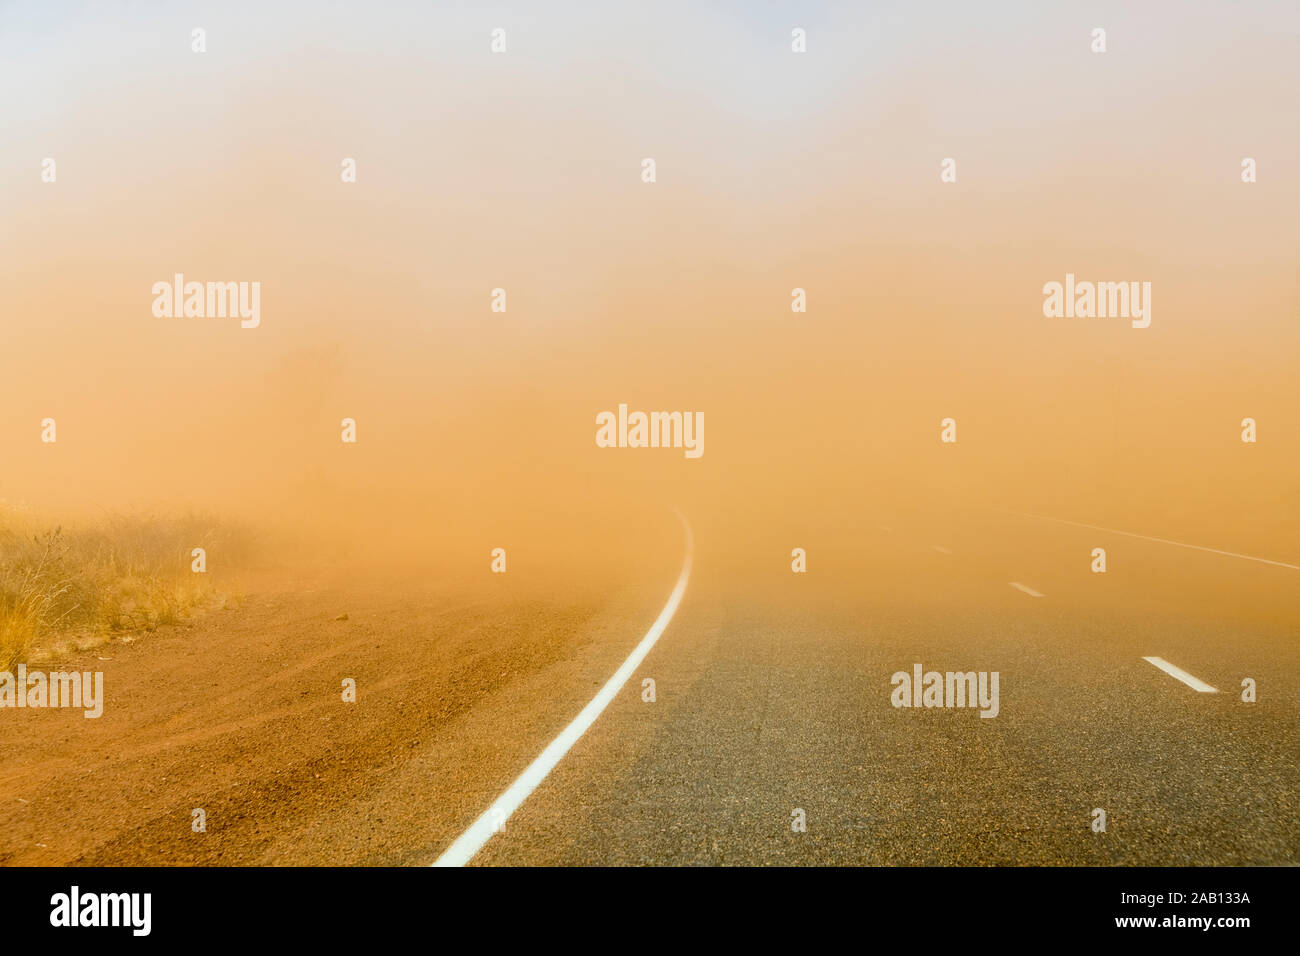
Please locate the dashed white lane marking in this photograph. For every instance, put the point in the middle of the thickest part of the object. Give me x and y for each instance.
(1147, 537)
(940, 548)
(495, 816)
(1030, 591)
(1179, 674)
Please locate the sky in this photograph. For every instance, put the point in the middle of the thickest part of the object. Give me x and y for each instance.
(775, 170)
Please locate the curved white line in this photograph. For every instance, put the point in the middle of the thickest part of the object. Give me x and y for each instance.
(482, 829)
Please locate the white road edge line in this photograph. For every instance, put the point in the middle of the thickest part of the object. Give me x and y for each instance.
(1179, 674)
(1030, 591)
(1147, 537)
(495, 816)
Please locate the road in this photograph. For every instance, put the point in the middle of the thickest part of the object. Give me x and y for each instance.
(772, 696)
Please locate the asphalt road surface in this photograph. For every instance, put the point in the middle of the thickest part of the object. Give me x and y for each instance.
(772, 696)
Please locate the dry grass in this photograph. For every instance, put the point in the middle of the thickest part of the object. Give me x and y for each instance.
(73, 589)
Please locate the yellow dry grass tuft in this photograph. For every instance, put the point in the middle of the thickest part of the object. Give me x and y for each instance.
(119, 576)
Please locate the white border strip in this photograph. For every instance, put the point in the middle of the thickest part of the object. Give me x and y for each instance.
(1030, 591)
(1147, 537)
(1177, 672)
(495, 816)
